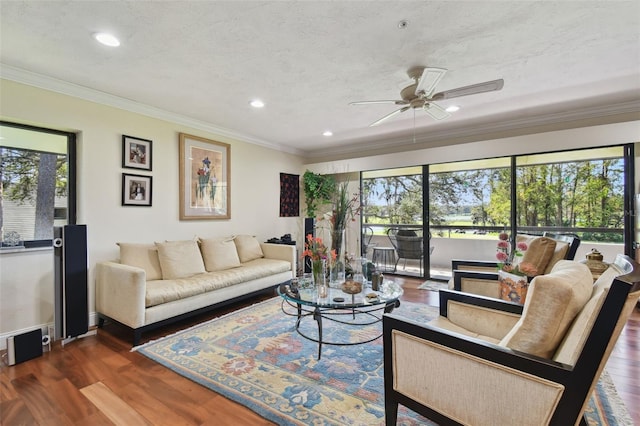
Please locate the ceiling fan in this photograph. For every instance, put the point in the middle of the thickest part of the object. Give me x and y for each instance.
(421, 94)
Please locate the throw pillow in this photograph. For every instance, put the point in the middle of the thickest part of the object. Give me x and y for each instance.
(219, 254)
(180, 259)
(559, 253)
(248, 248)
(539, 253)
(553, 301)
(143, 256)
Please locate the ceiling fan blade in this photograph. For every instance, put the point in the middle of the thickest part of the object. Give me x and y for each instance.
(435, 111)
(429, 80)
(388, 116)
(487, 86)
(398, 102)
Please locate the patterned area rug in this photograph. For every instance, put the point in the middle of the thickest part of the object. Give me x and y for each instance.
(254, 357)
(433, 285)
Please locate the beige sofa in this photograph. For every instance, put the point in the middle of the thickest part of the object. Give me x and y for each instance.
(155, 284)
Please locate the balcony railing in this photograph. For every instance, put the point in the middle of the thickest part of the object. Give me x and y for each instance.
(479, 243)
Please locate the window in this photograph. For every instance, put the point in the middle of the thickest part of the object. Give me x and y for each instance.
(37, 173)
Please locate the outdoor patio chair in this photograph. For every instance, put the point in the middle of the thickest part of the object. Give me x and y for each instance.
(408, 244)
(367, 235)
(507, 364)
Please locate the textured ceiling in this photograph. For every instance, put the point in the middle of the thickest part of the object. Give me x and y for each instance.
(204, 60)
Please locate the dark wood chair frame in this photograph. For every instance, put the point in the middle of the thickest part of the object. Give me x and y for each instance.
(578, 379)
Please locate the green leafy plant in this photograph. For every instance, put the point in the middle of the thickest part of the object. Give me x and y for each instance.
(318, 190)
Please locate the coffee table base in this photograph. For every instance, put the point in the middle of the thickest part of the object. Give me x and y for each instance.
(374, 313)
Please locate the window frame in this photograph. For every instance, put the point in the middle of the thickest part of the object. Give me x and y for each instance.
(72, 176)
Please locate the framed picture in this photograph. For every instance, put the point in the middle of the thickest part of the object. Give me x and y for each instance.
(205, 188)
(136, 153)
(136, 190)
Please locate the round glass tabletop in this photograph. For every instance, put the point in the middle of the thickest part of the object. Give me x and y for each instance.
(336, 298)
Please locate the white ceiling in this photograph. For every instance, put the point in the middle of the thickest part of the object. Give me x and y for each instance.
(205, 60)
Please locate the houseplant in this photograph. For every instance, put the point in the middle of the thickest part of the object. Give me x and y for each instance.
(318, 190)
(346, 207)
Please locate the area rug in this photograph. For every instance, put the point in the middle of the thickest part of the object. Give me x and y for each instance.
(255, 357)
(433, 285)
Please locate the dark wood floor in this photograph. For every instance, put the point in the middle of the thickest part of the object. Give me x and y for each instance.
(98, 381)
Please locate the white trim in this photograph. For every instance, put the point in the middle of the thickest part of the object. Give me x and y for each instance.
(18, 75)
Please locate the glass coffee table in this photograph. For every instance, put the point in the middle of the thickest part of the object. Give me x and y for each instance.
(350, 310)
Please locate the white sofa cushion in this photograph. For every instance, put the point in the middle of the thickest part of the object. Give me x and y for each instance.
(248, 248)
(169, 290)
(180, 259)
(143, 256)
(553, 301)
(219, 254)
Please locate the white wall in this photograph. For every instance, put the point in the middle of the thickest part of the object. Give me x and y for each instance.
(26, 279)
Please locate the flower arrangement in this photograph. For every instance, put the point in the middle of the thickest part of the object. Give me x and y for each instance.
(507, 258)
(315, 249)
(318, 252)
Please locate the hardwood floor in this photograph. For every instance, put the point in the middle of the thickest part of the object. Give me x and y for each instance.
(98, 381)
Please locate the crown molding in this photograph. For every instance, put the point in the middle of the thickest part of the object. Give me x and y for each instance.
(30, 78)
(498, 125)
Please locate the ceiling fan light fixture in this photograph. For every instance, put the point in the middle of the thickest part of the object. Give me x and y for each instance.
(107, 39)
(452, 108)
(256, 103)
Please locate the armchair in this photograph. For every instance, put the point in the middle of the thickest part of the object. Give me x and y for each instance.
(408, 244)
(481, 277)
(531, 364)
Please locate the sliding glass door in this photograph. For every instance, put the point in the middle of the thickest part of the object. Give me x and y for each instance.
(587, 192)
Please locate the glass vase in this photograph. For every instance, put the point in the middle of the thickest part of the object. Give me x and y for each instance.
(319, 271)
(337, 265)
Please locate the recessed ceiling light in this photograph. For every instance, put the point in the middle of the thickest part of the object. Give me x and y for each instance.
(107, 39)
(256, 103)
(327, 133)
(452, 108)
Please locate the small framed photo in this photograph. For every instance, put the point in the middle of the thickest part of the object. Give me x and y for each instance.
(136, 190)
(136, 153)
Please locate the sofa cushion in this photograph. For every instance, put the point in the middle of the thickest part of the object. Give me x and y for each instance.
(219, 254)
(539, 252)
(248, 248)
(553, 301)
(168, 290)
(575, 338)
(143, 256)
(180, 259)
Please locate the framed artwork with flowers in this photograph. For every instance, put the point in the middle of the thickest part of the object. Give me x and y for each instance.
(205, 169)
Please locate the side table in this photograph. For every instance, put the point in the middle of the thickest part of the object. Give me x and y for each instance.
(384, 258)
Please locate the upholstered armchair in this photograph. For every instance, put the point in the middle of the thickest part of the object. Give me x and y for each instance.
(486, 361)
(481, 277)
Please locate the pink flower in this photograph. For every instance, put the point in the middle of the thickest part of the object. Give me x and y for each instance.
(502, 256)
(503, 236)
(503, 244)
(522, 246)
